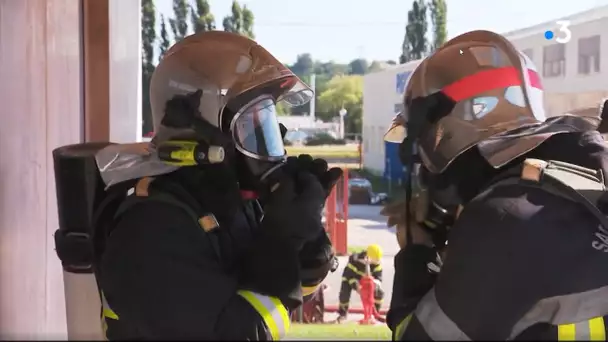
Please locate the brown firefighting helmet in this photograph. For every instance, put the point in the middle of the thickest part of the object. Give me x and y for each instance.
(238, 77)
(495, 102)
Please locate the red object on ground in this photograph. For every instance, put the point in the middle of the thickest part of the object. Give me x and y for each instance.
(312, 311)
(367, 287)
(334, 308)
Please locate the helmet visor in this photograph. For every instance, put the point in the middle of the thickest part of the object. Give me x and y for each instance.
(256, 130)
(396, 132)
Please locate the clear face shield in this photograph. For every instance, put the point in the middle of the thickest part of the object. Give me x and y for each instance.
(255, 130)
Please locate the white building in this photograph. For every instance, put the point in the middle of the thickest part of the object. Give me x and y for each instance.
(574, 74)
(382, 98)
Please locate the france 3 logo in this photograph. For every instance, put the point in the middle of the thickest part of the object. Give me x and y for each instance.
(562, 34)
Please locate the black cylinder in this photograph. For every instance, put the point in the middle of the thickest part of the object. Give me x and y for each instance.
(79, 186)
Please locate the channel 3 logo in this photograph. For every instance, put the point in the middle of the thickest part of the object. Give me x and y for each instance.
(563, 32)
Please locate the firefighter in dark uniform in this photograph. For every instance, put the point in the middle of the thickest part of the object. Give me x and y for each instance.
(193, 255)
(353, 272)
(522, 262)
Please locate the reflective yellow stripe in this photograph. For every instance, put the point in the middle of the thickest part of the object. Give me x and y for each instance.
(378, 301)
(377, 268)
(107, 311)
(566, 332)
(591, 330)
(352, 267)
(352, 281)
(400, 329)
(272, 312)
(597, 329)
(308, 290)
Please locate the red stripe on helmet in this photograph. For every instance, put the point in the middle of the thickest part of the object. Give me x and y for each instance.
(487, 80)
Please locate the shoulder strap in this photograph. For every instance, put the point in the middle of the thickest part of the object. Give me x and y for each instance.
(575, 183)
(172, 194)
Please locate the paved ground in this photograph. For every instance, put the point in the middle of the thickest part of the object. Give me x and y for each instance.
(365, 226)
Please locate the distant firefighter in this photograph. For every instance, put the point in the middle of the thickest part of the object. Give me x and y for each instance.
(353, 272)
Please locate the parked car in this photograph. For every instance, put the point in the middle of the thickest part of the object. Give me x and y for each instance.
(361, 192)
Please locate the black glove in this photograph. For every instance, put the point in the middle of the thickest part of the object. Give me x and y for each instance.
(293, 209)
(317, 259)
(318, 167)
(181, 110)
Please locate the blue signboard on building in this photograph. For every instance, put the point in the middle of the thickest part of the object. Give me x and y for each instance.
(393, 169)
(401, 81)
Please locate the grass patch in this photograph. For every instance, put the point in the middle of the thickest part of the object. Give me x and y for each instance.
(326, 151)
(349, 166)
(347, 331)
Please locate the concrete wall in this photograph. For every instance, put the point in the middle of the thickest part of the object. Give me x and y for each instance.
(380, 96)
(43, 96)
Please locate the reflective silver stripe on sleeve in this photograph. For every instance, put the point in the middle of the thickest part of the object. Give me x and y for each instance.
(435, 322)
(271, 310)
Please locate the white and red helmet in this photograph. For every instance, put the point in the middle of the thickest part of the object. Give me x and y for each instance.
(493, 94)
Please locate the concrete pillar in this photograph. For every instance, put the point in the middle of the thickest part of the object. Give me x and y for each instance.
(40, 93)
(69, 72)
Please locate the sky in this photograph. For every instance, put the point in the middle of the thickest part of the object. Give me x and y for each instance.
(342, 30)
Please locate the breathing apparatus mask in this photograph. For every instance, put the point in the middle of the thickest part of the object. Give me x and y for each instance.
(431, 207)
(248, 139)
(258, 142)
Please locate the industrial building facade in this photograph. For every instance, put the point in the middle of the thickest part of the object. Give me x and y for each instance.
(574, 74)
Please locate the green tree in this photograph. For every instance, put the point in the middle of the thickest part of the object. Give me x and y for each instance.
(417, 29)
(201, 17)
(239, 21)
(165, 42)
(303, 66)
(377, 66)
(406, 53)
(415, 44)
(343, 91)
(439, 15)
(248, 22)
(148, 37)
(179, 24)
(358, 66)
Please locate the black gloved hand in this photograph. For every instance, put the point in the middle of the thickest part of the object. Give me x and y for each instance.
(181, 110)
(293, 210)
(317, 259)
(318, 167)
